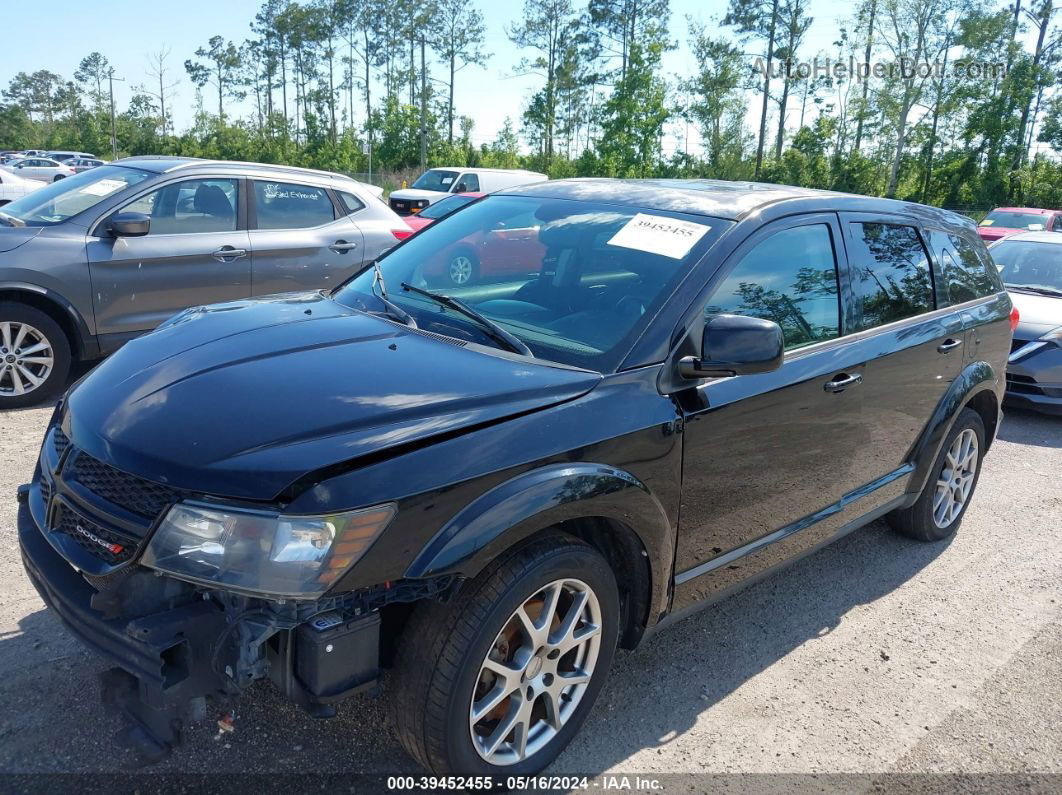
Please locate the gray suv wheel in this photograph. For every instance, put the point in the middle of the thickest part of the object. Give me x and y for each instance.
(34, 356)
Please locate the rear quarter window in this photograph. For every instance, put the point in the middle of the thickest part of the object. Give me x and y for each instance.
(966, 270)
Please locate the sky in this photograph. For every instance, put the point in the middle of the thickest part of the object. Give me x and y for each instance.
(127, 31)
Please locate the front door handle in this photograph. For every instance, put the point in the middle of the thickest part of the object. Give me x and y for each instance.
(948, 345)
(342, 246)
(229, 254)
(841, 382)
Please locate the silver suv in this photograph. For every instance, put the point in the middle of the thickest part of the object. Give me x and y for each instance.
(96, 259)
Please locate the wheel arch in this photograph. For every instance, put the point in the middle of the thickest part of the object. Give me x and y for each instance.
(977, 388)
(609, 509)
(82, 344)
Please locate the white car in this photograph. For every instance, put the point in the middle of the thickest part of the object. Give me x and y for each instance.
(438, 183)
(40, 168)
(15, 187)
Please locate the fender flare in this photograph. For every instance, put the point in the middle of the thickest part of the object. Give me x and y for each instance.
(532, 501)
(976, 378)
(84, 342)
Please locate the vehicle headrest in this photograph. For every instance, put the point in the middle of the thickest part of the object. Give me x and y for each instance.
(211, 200)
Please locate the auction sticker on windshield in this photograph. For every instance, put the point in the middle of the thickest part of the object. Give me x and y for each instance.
(104, 187)
(658, 234)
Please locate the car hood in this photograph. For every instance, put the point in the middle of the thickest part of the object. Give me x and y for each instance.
(997, 232)
(242, 399)
(417, 193)
(11, 237)
(1037, 314)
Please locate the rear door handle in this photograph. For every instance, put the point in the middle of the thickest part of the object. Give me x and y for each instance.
(229, 254)
(841, 382)
(342, 246)
(948, 345)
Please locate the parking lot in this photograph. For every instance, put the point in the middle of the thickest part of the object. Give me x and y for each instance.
(875, 655)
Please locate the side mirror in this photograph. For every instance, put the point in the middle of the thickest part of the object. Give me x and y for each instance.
(129, 224)
(736, 345)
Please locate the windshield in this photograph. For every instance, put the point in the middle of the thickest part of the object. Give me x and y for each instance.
(68, 197)
(575, 281)
(436, 179)
(1032, 221)
(446, 206)
(1025, 263)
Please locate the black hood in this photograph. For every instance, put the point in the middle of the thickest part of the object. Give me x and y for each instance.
(242, 399)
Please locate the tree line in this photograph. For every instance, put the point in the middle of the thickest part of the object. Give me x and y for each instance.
(949, 102)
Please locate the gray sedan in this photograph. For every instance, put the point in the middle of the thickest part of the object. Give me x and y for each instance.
(94, 260)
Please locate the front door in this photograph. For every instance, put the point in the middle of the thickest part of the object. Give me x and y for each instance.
(299, 240)
(196, 252)
(767, 454)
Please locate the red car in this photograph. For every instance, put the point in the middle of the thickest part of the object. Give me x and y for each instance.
(433, 212)
(1005, 221)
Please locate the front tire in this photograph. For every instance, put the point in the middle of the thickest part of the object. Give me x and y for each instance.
(938, 512)
(58, 177)
(497, 682)
(34, 356)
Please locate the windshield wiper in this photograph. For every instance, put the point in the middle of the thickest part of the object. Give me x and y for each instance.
(395, 311)
(493, 330)
(1030, 288)
(11, 220)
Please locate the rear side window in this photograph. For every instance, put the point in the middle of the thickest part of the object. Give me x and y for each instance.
(963, 272)
(790, 278)
(285, 205)
(890, 273)
(351, 203)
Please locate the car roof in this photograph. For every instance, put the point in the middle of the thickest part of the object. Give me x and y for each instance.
(479, 170)
(165, 163)
(723, 199)
(1035, 237)
(1037, 210)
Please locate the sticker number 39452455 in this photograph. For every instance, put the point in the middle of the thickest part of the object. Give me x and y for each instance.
(659, 234)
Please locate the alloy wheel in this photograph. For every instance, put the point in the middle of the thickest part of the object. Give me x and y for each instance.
(26, 358)
(536, 672)
(460, 269)
(956, 478)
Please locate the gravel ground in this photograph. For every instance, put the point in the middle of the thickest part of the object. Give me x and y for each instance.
(877, 655)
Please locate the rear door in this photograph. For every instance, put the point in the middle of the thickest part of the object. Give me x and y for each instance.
(195, 253)
(300, 238)
(912, 341)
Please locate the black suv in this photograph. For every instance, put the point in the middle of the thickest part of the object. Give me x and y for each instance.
(486, 489)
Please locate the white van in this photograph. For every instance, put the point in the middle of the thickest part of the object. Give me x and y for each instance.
(438, 183)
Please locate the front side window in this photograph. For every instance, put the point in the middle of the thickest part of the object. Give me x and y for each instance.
(790, 278)
(575, 281)
(469, 183)
(436, 179)
(890, 273)
(194, 206)
(287, 205)
(66, 198)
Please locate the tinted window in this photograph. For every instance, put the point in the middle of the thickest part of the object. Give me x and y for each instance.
(189, 207)
(350, 202)
(962, 271)
(285, 205)
(469, 183)
(790, 278)
(890, 273)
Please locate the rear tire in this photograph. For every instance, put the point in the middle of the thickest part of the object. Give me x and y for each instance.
(58, 177)
(468, 670)
(34, 356)
(938, 511)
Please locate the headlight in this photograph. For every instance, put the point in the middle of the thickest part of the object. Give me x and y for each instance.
(1053, 337)
(266, 553)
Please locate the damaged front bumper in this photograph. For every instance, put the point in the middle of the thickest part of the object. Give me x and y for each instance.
(175, 647)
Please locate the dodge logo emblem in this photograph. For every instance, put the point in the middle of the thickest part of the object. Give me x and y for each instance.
(114, 549)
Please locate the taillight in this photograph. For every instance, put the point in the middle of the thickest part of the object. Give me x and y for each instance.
(401, 234)
(1015, 316)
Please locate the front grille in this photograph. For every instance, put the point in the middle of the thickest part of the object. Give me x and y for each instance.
(60, 442)
(1023, 385)
(46, 490)
(98, 541)
(134, 494)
